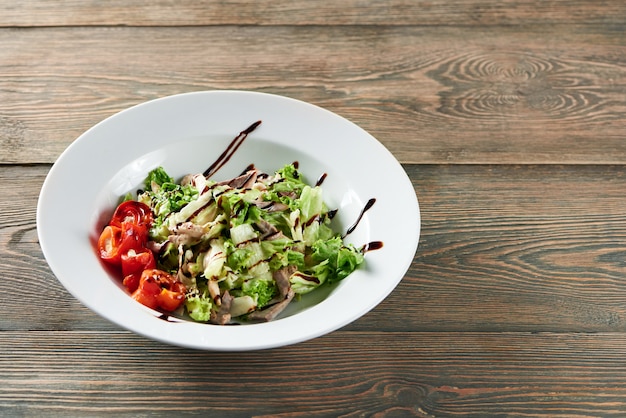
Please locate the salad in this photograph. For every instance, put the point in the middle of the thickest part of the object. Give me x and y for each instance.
(241, 249)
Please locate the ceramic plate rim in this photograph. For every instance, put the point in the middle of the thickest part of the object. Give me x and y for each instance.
(238, 109)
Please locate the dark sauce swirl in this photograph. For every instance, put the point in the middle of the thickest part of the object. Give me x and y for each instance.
(367, 207)
(230, 150)
(371, 246)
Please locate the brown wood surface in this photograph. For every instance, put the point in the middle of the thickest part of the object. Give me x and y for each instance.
(414, 374)
(509, 118)
(36, 13)
(471, 95)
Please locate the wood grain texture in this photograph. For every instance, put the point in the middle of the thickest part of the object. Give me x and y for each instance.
(452, 95)
(326, 12)
(502, 248)
(510, 119)
(36, 299)
(527, 248)
(397, 375)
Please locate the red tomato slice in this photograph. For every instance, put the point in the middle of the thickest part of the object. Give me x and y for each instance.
(148, 290)
(137, 261)
(132, 211)
(109, 243)
(133, 264)
(131, 281)
(115, 241)
(159, 289)
(169, 300)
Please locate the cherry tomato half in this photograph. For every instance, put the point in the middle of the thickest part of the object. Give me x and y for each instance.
(131, 281)
(159, 289)
(134, 262)
(134, 212)
(148, 290)
(115, 241)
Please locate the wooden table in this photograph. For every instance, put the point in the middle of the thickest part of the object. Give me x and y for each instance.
(508, 116)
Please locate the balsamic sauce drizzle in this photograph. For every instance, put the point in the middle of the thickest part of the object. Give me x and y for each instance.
(371, 246)
(248, 168)
(321, 180)
(168, 318)
(230, 150)
(367, 207)
(174, 319)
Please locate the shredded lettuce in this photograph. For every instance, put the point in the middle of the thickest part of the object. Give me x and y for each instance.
(239, 240)
(260, 290)
(157, 176)
(199, 307)
(340, 259)
(311, 203)
(165, 197)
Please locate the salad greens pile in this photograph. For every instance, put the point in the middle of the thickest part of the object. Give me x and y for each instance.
(246, 247)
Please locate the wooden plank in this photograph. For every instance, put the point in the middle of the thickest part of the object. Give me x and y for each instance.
(342, 374)
(514, 248)
(431, 95)
(326, 12)
(35, 298)
(522, 248)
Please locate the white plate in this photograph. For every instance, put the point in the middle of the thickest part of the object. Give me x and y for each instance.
(185, 133)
